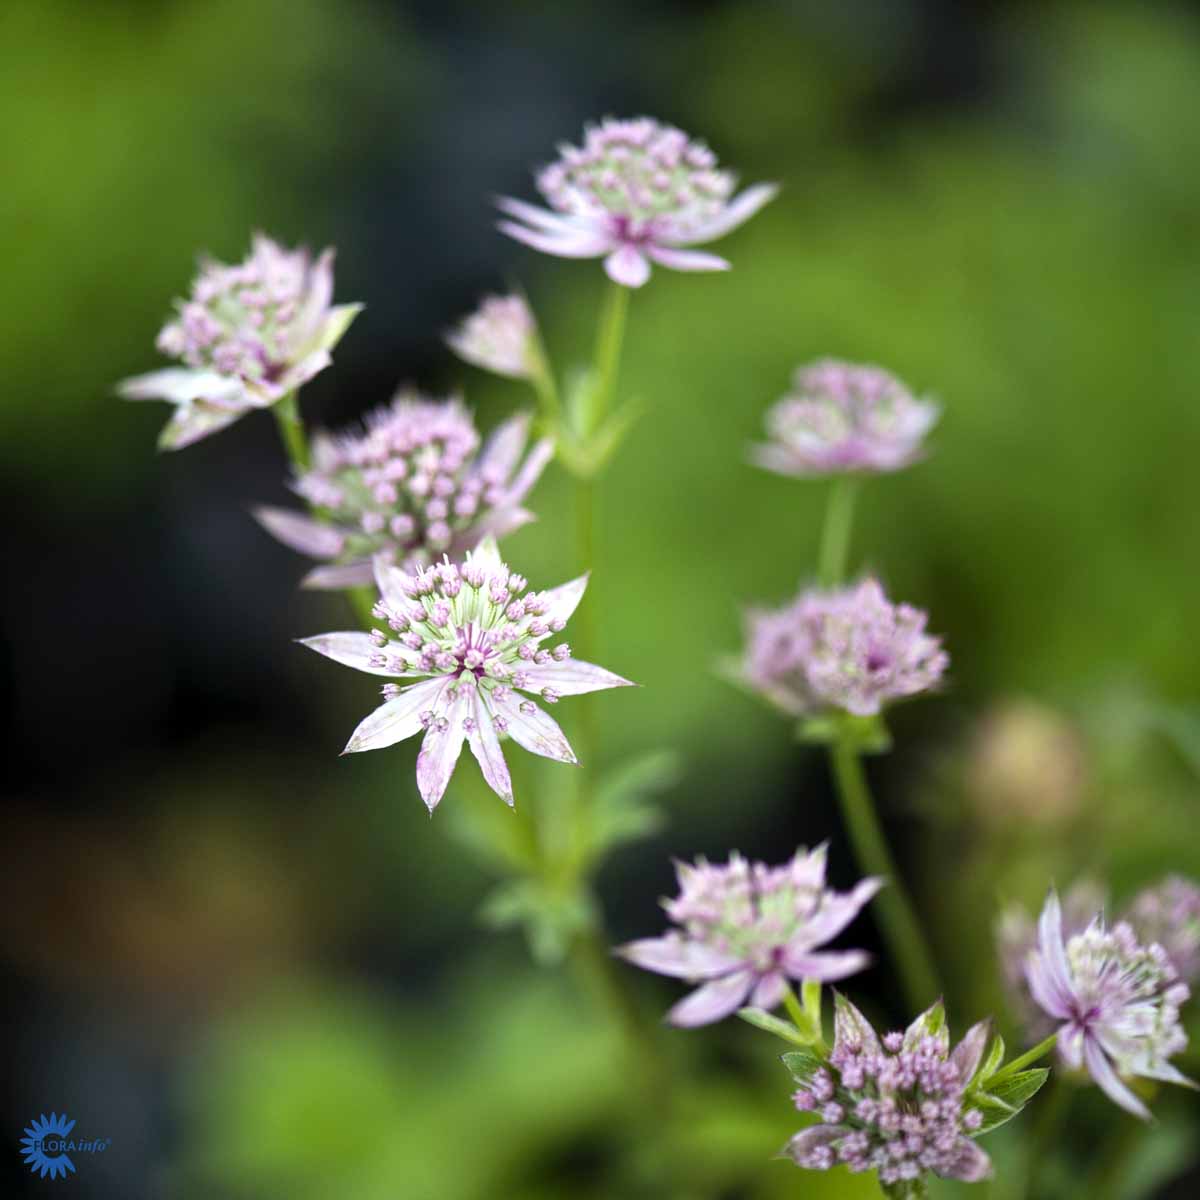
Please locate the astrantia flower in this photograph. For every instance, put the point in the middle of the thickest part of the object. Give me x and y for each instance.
(498, 336)
(248, 335)
(842, 417)
(1117, 1001)
(473, 636)
(896, 1105)
(848, 649)
(1169, 913)
(411, 486)
(1016, 937)
(636, 191)
(746, 928)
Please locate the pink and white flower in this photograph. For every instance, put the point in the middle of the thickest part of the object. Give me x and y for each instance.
(411, 485)
(473, 636)
(248, 335)
(747, 928)
(634, 193)
(841, 418)
(1117, 1003)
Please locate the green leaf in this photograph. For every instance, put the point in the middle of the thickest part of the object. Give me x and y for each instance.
(1020, 1088)
(549, 918)
(608, 438)
(761, 1019)
(621, 812)
(991, 1064)
(931, 1023)
(1010, 1096)
(868, 735)
(802, 1064)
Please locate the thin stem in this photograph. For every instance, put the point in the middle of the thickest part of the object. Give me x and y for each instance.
(835, 534)
(291, 430)
(1028, 1058)
(609, 339)
(899, 921)
(545, 387)
(584, 626)
(295, 446)
(362, 601)
(799, 1017)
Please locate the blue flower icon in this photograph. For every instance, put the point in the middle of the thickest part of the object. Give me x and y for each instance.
(42, 1146)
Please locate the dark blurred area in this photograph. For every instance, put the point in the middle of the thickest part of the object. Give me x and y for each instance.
(257, 967)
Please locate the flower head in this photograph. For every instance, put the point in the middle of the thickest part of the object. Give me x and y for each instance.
(498, 336)
(746, 928)
(896, 1105)
(1115, 999)
(1016, 937)
(1169, 913)
(848, 649)
(474, 637)
(248, 335)
(842, 417)
(412, 485)
(636, 191)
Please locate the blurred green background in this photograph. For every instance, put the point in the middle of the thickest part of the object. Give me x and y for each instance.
(259, 968)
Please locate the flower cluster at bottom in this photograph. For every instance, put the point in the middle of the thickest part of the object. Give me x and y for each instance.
(896, 1105)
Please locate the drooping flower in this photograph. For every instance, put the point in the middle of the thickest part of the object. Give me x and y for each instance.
(498, 336)
(841, 417)
(473, 637)
(896, 1105)
(746, 928)
(1016, 937)
(1169, 913)
(848, 649)
(1117, 1002)
(248, 336)
(411, 486)
(636, 191)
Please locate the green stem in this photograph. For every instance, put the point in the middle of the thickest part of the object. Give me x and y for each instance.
(362, 601)
(1028, 1058)
(897, 917)
(545, 387)
(609, 339)
(794, 1010)
(291, 430)
(806, 1016)
(295, 446)
(835, 535)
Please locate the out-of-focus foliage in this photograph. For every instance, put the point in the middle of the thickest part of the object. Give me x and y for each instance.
(1025, 251)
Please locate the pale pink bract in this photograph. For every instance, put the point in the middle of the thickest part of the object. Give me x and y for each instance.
(840, 417)
(411, 485)
(746, 928)
(473, 637)
(248, 336)
(1115, 1000)
(635, 192)
(849, 649)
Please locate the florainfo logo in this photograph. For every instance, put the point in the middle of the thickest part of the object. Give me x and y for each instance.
(48, 1145)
